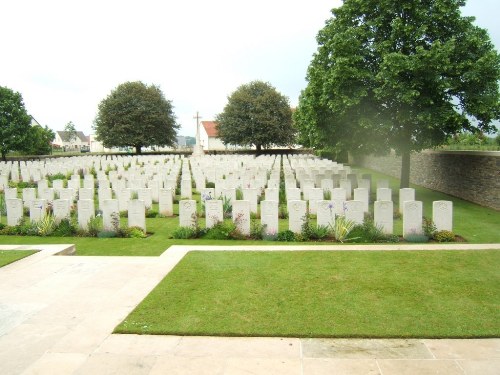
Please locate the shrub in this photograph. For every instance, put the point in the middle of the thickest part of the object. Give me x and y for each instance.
(223, 230)
(2, 226)
(367, 233)
(256, 230)
(65, 228)
(428, 227)
(151, 213)
(93, 227)
(184, 233)
(46, 225)
(210, 185)
(283, 211)
(286, 236)
(444, 236)
(342, 228)
(136, 232)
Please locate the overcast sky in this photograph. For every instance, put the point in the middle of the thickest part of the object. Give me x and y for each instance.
(64, 57)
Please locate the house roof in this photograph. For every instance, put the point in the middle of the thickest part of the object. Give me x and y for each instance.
(210, 128)
(65, 136)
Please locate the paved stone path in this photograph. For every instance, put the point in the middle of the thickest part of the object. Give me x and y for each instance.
(57, 314)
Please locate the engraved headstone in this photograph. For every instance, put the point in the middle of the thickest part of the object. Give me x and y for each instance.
(166, 205)
(14, 211)
(241, 216)
(110, 214)
(144, 194)
(29, 194)
(85, 212)
(362, 194)
(326, 213)
(61, 209)
(442, 215)
(384, 216)
(137, 214)
(384, 194)
(296, 214)
(354, 211)
(412, 218)
(269, 216)
(405, 194)
(187, 212)
(213, 212)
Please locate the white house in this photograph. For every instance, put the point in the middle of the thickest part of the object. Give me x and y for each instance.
(79, 142)
(209, 138)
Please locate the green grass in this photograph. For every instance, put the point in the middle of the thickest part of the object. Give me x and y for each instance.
(475, 223)
(10, 256)
(437, 294)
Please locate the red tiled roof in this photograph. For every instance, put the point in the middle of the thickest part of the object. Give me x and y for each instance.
(210, 128)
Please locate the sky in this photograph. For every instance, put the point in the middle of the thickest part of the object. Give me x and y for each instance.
(65, 57)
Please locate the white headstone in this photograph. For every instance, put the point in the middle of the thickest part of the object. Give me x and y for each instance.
(10, 193)
(346, 185)
(68, 194)
(186, 189)
(124, 196)
(14, 211)
(269, 216)
(38, 209)
(442, 215)
(412, 218)
(354, 211)
(405, 194)
(297, 210)
(187, 212)
(213, 212)
(110, 214)
(272, 194)
(339, 193)
(137, 214)
(85, 212)
(362, 194)
(61, 209)
(85, 193)
(29, 194)
(315, 195)
(104, 193)
(384, 216)
(293, 194)
(144, 194)
(251, 195)
(241, 216)
(166, 205)
(326, 213)
(384, 194)
(382, 184)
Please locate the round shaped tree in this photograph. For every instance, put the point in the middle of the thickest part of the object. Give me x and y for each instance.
(256, 114)
(136, 115)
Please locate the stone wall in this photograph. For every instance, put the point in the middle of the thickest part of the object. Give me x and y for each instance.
(470, 175)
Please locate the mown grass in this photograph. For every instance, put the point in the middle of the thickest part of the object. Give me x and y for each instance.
(11, 256)
(380, 294)
(475, 223)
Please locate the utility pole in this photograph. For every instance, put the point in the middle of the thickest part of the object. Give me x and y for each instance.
(197, 150)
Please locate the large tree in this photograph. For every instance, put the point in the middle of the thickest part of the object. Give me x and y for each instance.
(256, 114)
(136, 115)
(402, 75)
(40, 140)
(14, 122)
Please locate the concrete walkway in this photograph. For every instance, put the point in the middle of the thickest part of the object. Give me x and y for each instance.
(57, 314)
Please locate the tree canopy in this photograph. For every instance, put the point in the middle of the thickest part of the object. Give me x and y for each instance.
(136, 115)
(40, 140)
(256, 114)
(399, 74)
(15, 122)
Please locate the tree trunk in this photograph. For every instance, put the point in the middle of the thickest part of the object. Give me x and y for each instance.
(4, 156)
(138, 150)
(258, 148)
(405, 170)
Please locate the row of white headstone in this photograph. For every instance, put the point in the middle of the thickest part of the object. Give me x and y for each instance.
(327, 212)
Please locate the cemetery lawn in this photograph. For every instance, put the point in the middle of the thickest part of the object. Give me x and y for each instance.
(377, 294)
(10, 256)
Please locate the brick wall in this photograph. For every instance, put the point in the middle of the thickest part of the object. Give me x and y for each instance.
(470, 175)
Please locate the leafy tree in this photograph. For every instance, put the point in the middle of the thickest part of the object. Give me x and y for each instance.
(136, 115)
(256, 114)
(40, 140)
(70, 129)
(400, 74)
(14, 122)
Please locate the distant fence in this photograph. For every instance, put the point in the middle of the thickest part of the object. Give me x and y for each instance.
(470, 175)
